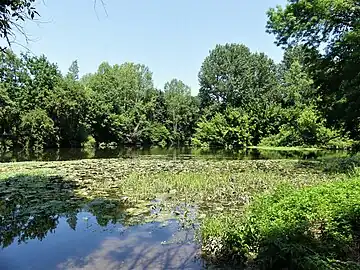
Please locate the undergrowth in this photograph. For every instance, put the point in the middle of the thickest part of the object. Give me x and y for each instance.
(309, 228)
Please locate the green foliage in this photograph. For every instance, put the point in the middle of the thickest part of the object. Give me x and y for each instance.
(182, 111)
(308, 129)
(69, 105)
(73, 73)
(159, 134)
(348, 165)
(335, 26)
(90, 143)
(311, 228)
(233, 76)
(313, 22)
(37, 129)
(231, 129)
(13, 11)
(117, 104)
(7, 111)
(244, 97)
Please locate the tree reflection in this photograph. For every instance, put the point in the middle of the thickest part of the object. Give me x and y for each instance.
(31, 206)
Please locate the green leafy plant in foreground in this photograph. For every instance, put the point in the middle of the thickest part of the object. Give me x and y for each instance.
(310, 228)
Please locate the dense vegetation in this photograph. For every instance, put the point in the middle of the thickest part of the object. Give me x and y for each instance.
(316, 226)
(246, 101)
(245, 98)
(311, 228)
(264, 214)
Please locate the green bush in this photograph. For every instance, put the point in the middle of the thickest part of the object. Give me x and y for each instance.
(229, 130)
(349, 165)
(90, 143)
(309, 228)
(307, 130)
(159, 134)
(37, 130)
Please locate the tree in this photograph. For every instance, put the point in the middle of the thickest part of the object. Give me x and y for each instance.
(226, 130)
(69, 108)
(314, 22)
(73, 73)
(296, 87)
(13, 11)
(334, 25)
(37, 130)
(233, 76)
(7, 111)
(125, 97)
(181, 110)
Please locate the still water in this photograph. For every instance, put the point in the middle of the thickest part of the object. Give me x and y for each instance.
(169, 153)
(89, 245)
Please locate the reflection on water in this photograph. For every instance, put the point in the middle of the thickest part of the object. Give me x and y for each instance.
(169, 153)
(92, 246)
(44, 224)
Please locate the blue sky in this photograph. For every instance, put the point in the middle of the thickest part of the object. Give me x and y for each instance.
(171, 37)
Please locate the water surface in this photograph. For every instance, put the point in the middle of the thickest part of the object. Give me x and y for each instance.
(157, 152)
(89, 245)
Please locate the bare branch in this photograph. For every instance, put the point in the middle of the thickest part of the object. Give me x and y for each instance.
(103, 5)
(13, 13)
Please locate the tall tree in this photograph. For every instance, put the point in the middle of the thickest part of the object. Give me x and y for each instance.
(73, 72)
(334, 25)
(182, 110)
(233, 76)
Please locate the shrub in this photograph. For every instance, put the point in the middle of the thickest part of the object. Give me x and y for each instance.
(159, 134)
(310, 228)
(229, 130)
(307, 130)
(89, 143)
(37, 130)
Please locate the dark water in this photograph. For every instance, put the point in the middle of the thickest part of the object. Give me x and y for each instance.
(168, 153)
(89, 245)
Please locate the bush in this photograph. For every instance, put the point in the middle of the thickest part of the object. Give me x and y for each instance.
(308, 130)
(310, 228)
(229, 130)
(90, 143)
(37, 130)
(159, 134)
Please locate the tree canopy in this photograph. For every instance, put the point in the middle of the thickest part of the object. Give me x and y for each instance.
(310, 98)
(335, 26)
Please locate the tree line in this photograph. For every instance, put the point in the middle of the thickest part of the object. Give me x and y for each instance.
(310, 98)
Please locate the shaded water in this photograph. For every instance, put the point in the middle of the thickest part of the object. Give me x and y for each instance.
(89, 245)
(168, 153)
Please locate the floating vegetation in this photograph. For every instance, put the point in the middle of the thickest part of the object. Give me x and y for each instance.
(35, 194)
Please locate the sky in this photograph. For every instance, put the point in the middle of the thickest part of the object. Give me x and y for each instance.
(172, 38)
